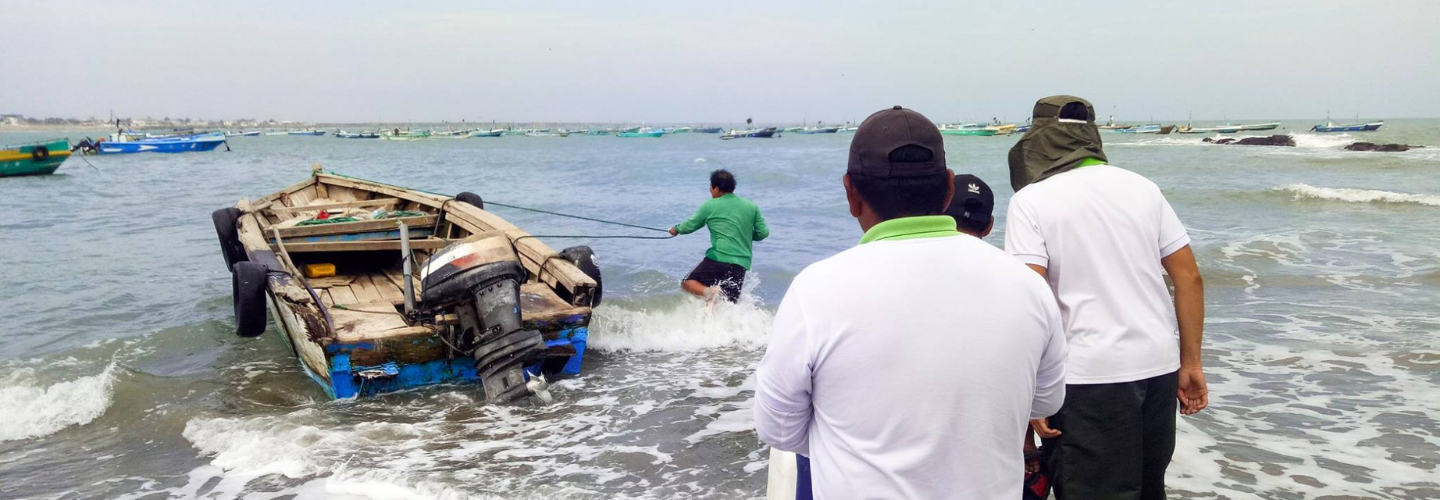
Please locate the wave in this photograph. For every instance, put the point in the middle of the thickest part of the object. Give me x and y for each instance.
(33, 410)
(686, 324)
(1308, 192)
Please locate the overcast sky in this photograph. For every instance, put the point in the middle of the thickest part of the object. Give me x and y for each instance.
(621, 61)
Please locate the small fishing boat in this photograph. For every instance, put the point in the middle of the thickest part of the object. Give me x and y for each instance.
(1354, 127)
(487, 133)
(680, 130)
(818, 130)
(277, 132)
(341, 134)
(758, 133)
(710, 130)
(251, 133)
(380, 288)
(968, 129)
(36, 158)
(124, 143)
(641, 132)
(792, 129)
(306, 132)
(1152, 128)
(407, 135)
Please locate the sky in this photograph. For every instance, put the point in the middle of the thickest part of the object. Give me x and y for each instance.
(717, 62)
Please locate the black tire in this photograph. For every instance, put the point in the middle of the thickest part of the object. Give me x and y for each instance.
(248, 285)
(40, 153)
(471, 198)
(225, 227)
(584, 258)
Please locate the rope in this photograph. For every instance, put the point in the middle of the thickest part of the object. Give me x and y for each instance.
(591, 219)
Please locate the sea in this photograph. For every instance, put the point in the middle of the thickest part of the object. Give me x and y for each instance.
(121, 376)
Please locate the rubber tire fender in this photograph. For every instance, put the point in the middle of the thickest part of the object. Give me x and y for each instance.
(225, 220)
(584, 258)
(471, 198)
(248, 286)
(40, 153)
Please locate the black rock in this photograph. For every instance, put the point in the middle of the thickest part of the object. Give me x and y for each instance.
(1224, 140)
(1384, 148)
(1274, 140)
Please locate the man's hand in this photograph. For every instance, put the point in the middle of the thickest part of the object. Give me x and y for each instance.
(1042, 428)
(673, 232)
(1192, 393)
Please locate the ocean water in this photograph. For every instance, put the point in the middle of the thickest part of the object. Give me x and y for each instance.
(120, 376)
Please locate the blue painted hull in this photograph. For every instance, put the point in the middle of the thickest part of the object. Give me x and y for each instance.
(1366, 127)
(307, 132)
(184, 144)
(348, 381)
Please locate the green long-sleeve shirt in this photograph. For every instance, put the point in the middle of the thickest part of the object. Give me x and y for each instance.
(734, 223)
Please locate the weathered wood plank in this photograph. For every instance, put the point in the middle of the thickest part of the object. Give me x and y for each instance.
(365, 290)
(331, 206)
(342, 295)
(357, 227)
(389, 291)
(363, 246)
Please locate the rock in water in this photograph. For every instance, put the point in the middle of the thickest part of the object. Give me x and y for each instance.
(1384, 148)
(1274, 140)
(1225, 140)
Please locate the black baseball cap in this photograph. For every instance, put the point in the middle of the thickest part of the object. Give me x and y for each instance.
(880, 135)
(973, 204)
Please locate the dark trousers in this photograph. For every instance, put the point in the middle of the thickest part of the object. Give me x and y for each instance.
(1116, 440)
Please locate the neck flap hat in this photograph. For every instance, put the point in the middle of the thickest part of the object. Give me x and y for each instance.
(1062, 134)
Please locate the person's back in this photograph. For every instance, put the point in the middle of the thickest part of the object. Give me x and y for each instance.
(731, 220)
(1105, 230)
(941, 375)
(906, 367)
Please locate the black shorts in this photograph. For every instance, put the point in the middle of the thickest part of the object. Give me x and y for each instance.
(729, 277)
(1117, 441)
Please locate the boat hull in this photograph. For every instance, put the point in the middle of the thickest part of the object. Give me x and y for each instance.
(640, 134)
(1359, 127)
(184, 144)
(980, 132)
(22, 160)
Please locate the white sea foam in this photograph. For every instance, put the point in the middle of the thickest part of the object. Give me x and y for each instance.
(33, 409)
(1306, 191)
(1322, 141)
(686, 326)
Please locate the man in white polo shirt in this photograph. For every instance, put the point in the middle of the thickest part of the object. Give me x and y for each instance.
(907, 366)
(1100, 236)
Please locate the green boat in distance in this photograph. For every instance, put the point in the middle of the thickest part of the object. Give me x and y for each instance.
(36, 158)
(984, 132)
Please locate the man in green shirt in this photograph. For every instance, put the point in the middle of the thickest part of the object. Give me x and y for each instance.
(734, 223)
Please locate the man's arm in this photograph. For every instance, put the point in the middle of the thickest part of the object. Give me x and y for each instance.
(782, 381)
(1050, 379)
(1190, 314)
(1041, 425)
(695, 222)
(762, 231)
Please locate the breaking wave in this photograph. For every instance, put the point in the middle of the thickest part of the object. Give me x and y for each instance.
(34, 410)
(1308, 192)
(686, 325)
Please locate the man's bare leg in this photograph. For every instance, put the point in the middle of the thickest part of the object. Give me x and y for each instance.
(699, 290)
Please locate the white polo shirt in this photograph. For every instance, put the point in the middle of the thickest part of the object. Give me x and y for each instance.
(1100, 232)
(907, 367)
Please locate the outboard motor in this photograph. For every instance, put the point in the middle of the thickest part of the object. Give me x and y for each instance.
(478, 280)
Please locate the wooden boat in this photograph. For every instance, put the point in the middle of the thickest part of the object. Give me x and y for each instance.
(758, 133)
(36, 158)
(487, 133)
(251, 133)
(407, 135)
(1354, 127)
(818, 130)
(641, 132)
(124, 143)
(277, 132)
(972, 129)
(479, 300)
(306, 132)
(1229, 128)
(341, 134)
(710, 130)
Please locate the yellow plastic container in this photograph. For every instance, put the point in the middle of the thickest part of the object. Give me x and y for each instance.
(319, 270)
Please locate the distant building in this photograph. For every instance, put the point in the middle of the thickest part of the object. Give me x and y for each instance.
(11, 119)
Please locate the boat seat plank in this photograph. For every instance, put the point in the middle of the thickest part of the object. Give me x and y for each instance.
(362, 226)
(365, 246)
(330, 204)
(389, 291)
(329, 281)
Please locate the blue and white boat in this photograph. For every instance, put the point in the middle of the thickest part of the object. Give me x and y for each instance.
(1354, 127)
(488, 133)
(122, 143)
(341, 134)
(307, 132)
(251, 133)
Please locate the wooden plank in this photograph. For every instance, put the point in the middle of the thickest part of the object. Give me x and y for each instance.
(365, 290)
(325, 297)
(427, 199)
(342, 295)
(364, 246)
(398, 278)
(389, 291)
(263, 203)
(331, 206)
(330, 281)
(358, 226)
